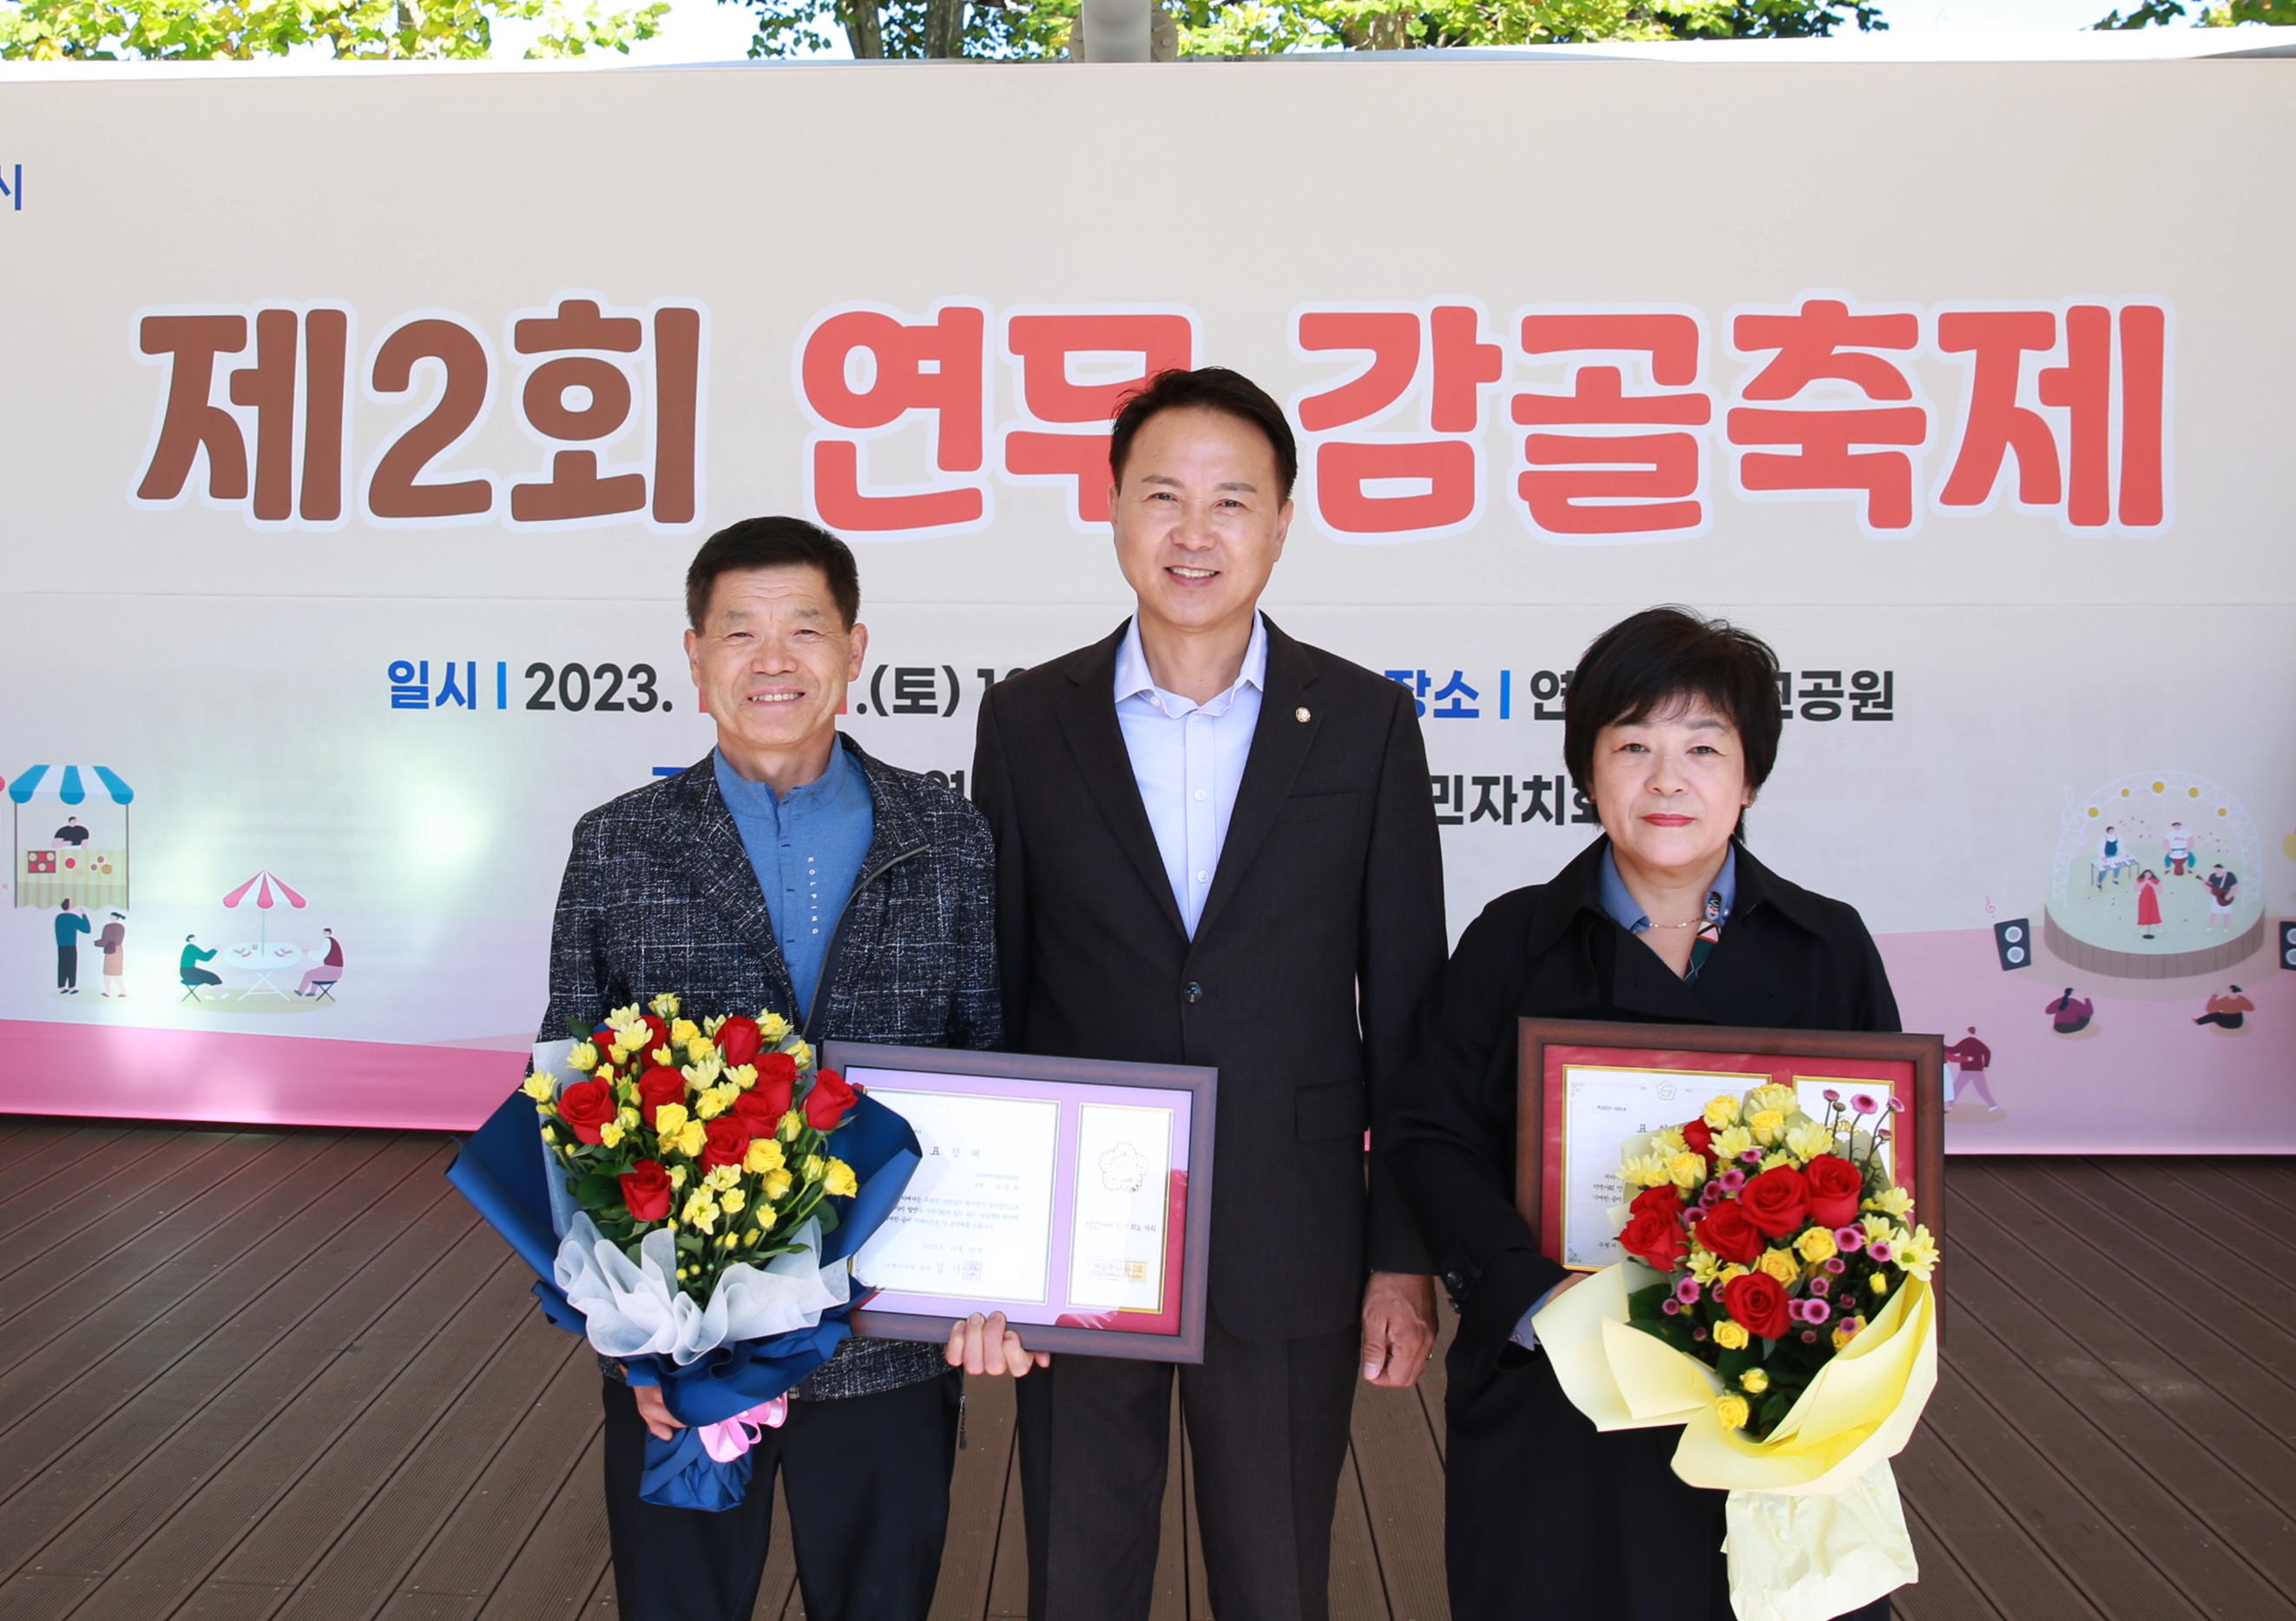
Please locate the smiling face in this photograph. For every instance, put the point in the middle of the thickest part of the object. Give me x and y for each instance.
(772, 660)
(1670, 786)
(1200, 518)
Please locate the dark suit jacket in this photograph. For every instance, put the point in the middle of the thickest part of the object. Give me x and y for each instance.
(1787, 959)
(1327, 903)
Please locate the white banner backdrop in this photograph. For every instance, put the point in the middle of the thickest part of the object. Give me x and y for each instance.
(358, 430)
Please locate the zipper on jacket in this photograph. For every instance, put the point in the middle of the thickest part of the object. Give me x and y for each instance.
(835, 956)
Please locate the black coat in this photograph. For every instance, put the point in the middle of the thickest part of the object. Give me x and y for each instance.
(1327, 904)
(1547, 1518)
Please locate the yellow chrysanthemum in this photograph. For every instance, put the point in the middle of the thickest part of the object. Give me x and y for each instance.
(1767, 1126)
(584, 1058)
(1879, 1229)
(1777, 1099)
(1669, 1142)
(703, 1071)
(800, 1050)
(700, 1211)
(1771, 1162)
(791, 1124)
(669, 1121)
(678, 1176)
(1733, 1271)
(1807, 1140)
(731, 1201)
(542, 1088)
(1755, 1380)
(622, 1017)
(1917, 1252)
(751, 1237)
(840, 1180)
(1732, 1410)
(1780, 1266)
(1730, 1336)
(1891, 1201)
(1646, 1171)
(1720, 1112)
(814, 1167)
(610, 1134)
(1730, 1143)
(549, 1134)
(663, 1007)
(691, 1138)
(1705, 1265)
(722, 1176)
(765, 1155)
(742, 1076)
(662, 1054)
(716, 1022)
(1816, 1244)
(777, 1185)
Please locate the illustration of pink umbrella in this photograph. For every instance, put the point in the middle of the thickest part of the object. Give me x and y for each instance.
(268, 889)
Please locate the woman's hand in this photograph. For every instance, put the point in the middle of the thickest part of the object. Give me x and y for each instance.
(985, 1346)
(659, 1422)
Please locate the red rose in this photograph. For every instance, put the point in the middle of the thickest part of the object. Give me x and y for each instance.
(1757, 1302)
(585, 1106)
(729, 1141)
(777, 1082)
(758, 1113)
(1777, 1201)
(1727, 1231)
(739, 1039)
(1700, 1136)
(827, 1103)
(1663, 1200)
(646, 1191)
(658, 1086)
(1834, 1189)
(1655, 1240)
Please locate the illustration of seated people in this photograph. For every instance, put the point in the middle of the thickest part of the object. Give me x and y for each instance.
(1966, 1061)
(2223, 886)
(2228, 1011)
(113, 943)
(319, 982)
(2176, 854)
(196, 976)
(2112, 859)
(69, 926)
(2069, 1015)
(71, 833)
(2148, 902)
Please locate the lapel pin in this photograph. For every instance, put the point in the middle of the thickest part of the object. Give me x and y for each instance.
(1300, 713)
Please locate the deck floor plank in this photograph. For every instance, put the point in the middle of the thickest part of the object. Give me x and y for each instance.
(556, 1572)
(95, 1204)
(976, 1499)
(1403, 1498)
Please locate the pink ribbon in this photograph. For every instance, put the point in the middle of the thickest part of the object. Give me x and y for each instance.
(728, 1440)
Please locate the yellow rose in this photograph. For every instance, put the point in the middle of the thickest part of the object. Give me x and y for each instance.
(751, 1237)
(1755, 1380)
(684, 1033)
(840, 1180)
(584, 1058)
(1917, 1252)
(791, 1124)
(628, 1119)
(659, 1055)
(777, 1185)
(1730, 1336)
(1686, 1170)
(772, 1027)
(610, 1134)
(1891, 1201)
(542, 1088)
(801, 1052)
(702, 1049)
(813, 1167)
(1780, 1266)
(548, 1135)
(1733, 1271)
(1732, 1410)
(1816, 1244)
(663, 1007)
(1767, 1126)
(1730, 1143)
(765, 1155)
(678, 1176)
(1720, 1112)
(692, 1136)
(1879, 1283)
(731, 1201)
(709, 1105)
(669, 1121)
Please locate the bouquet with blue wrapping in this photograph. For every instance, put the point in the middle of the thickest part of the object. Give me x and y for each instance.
(703, 1188)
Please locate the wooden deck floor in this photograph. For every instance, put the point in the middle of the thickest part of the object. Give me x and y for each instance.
(255, 1374)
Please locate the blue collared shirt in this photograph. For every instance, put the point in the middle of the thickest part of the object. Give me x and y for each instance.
(1621, 903)
(807, 847)
(1188, 761)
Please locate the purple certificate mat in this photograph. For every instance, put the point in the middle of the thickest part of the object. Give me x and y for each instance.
(1073, 1195)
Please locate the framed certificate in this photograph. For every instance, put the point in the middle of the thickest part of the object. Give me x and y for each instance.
(1583, 1089)
(1073, 1195)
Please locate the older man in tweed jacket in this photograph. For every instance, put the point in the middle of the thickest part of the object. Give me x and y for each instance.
(789, 870)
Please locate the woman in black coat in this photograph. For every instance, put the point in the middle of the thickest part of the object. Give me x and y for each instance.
(1671, 726)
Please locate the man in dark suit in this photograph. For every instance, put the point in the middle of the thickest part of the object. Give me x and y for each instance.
(1216, 846)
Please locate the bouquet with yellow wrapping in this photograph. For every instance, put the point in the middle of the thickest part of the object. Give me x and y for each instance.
(1778, 1307)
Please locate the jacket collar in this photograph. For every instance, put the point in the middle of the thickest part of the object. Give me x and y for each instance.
(1280, 743)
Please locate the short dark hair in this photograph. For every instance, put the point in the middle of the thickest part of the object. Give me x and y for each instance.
(1646, 664)
(773, 543)
(1209, 388)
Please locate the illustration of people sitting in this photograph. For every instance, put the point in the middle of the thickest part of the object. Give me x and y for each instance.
(196, 978)
(2179, 853)
(2228, 1012)
(71, 833)
(1970, 1057)
(2148, 901)
(2110, 859)
(318, 982)
(2069, 1015)
(2222, 885)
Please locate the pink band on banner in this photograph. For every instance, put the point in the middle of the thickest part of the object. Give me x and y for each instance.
(728, 1440)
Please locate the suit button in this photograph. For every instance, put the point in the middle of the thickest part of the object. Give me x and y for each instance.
(1196, 991)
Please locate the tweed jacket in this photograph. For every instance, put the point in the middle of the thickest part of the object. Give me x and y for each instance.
(660, 896)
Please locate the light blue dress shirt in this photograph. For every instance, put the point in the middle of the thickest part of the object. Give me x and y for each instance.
(807, 847)
(1628, 914)
(1188, 761)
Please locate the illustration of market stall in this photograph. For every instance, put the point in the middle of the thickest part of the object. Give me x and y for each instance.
(84, 857)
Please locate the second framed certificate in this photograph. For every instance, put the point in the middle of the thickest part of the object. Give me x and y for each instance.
(1073, 1195)
(1583, 1090)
